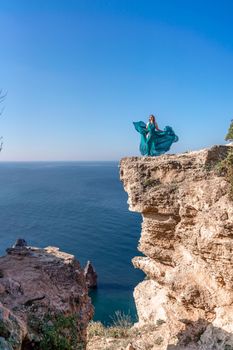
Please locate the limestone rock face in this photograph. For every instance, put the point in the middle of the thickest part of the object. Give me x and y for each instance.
(187, 242)
(38, 286)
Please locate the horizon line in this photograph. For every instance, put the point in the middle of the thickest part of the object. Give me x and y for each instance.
(57, 161)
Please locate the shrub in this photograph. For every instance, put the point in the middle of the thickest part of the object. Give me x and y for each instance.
(120, 328)
(159, 322)
(120, 319)
(159, 341)
(95, 329)
(4, 331)
(229, 135)
(58, 332)
(225, 168)
(151, 182)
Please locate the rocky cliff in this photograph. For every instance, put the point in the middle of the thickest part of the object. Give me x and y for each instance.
(44, 301)
(187, 246)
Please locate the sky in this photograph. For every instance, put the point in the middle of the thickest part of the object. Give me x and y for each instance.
(78, 73)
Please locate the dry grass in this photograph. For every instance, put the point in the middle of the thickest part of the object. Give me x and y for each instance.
(120, 328)
(121, 333)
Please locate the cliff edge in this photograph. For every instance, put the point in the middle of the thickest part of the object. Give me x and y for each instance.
(187, 242)
(44, 301)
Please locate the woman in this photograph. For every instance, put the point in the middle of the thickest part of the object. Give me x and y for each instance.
(152, 121)
(153, 140)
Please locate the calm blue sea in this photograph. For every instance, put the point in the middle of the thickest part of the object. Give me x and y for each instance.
(80, 207)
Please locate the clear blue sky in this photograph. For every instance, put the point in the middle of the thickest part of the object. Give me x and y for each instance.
(78, 72)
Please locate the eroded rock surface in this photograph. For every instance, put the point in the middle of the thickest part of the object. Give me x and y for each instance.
(187, 242)
(41, 289)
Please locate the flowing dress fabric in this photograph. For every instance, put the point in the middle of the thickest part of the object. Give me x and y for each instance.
(154, 142)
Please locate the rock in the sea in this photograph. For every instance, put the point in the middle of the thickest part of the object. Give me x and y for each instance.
(44, 299)
(90, 275)
(187, 240)
(20, 242)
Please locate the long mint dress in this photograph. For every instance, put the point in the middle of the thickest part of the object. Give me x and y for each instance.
(154, 142)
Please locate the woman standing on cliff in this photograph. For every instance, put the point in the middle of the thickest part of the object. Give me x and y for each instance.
(153, 140)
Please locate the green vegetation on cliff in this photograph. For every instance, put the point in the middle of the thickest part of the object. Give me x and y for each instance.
(229, 135)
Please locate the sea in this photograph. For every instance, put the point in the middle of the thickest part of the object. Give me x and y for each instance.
(81, 208)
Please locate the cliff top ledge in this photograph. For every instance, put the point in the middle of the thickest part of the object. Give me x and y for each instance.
(143, 176)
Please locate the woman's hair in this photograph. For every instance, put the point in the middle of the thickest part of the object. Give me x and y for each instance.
(152, 117)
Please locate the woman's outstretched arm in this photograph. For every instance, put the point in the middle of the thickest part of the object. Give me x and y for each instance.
(157, 127)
